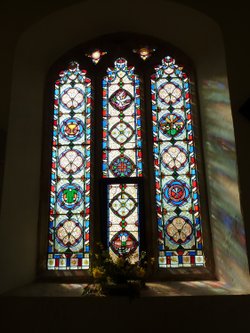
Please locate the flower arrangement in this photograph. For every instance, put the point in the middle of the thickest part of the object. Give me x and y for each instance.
(120, 276)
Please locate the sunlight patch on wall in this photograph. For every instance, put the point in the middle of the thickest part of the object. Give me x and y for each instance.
(221, 167)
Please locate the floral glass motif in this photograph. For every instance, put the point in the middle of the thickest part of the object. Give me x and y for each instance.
(123, 221)
(122, 155)
(144, 52)
(96, 55)
(177, 191)
(70, 172)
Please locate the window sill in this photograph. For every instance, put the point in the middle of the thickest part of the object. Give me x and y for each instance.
(154, 289)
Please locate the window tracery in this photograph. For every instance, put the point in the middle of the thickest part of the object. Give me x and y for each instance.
(176, 205)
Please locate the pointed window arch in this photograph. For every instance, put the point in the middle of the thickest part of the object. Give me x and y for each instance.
(124, 168)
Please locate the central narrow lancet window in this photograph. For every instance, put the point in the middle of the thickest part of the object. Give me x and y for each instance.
(122, 158)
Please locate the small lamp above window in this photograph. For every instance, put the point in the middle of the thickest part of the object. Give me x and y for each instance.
(144, 52)
(96, 55)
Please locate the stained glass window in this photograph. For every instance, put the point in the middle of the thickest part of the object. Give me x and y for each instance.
(123, 220)
(122, 156)
(70, 172)
(177, 190)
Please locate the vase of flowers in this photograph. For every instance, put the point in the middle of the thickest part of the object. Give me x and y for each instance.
(116, 276)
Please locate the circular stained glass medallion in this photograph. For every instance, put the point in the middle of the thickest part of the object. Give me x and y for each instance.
(123, 243)
(122, 166)
(171, 125)
(176, 192)
(70, 196)
(71, 129)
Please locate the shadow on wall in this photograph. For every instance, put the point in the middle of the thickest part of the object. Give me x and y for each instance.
(2, 159)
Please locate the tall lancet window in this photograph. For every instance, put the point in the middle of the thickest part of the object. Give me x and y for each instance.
(122, 157)
(177, 189)
(70, 172)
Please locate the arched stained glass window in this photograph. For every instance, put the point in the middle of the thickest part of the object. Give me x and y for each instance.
(177, 191)
(122, 157)
(70, 172)
(142, 193)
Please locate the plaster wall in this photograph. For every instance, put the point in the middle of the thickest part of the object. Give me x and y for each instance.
(40, 46)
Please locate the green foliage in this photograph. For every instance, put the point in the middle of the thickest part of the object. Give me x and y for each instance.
(108, 272)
